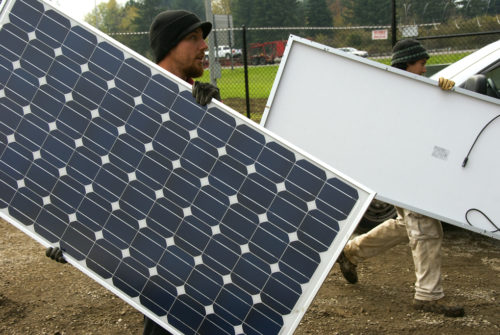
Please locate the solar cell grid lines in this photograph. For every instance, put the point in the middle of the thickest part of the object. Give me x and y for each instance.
(196, 216)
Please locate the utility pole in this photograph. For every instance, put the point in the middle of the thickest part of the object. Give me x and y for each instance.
(211, 55)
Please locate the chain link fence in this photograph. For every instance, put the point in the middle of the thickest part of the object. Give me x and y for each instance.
(447, 41)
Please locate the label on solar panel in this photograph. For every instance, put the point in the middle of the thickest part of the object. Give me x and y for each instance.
(199, 218)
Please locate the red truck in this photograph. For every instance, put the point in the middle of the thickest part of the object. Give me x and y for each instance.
(266, 52)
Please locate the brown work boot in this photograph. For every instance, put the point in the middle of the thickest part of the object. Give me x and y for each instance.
(438, 307)
(348, 269)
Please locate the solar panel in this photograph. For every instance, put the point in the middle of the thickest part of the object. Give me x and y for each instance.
(199, 218)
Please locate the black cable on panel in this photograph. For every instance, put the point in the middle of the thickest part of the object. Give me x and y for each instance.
(486, 216)
(466, 159)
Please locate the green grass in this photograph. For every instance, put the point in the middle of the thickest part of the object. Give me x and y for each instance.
(261, 78)
(232, 81)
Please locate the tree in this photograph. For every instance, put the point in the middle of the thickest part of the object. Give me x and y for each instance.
(367, 12)
(222, 7)
(318, 14)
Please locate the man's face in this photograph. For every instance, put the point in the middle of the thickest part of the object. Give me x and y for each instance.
(188, 55)
(418, 67)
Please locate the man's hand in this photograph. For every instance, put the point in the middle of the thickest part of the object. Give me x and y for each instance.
(204, 92)
(446, 84)
(56, 254)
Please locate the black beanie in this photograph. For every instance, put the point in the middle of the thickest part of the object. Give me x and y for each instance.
(170, 27)
(407, 51)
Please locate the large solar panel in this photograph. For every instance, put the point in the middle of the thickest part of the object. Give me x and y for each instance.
(196, 216)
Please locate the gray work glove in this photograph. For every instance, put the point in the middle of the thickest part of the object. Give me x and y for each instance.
(55, 254)
(204, 92)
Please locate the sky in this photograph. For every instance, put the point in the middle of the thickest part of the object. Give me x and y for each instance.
(79, 8)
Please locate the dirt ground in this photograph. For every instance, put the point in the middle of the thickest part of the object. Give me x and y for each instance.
(40, 296)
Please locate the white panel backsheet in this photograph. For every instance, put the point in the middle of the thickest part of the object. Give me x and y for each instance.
(394, 131)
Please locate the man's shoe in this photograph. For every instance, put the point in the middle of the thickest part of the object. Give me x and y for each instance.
(438, 307)
(348, 269)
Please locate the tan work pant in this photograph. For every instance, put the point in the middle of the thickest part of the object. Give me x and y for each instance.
(424, 236)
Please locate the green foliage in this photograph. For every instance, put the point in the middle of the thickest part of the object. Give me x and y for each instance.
(367, 12)
(318, 14)
(267, 13)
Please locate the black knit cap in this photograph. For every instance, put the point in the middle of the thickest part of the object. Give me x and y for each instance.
(170, 27)
(407, 51)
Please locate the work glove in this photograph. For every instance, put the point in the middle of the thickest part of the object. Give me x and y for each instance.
(446, 84)
(56, 254)
(204, 92)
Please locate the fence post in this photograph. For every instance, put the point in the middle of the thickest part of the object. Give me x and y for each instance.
(393, 24)
(245, 66)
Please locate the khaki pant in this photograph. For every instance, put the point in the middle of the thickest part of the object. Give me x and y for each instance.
(424, 236)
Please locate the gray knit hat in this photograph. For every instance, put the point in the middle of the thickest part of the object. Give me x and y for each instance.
(170, 27)
(407, 51)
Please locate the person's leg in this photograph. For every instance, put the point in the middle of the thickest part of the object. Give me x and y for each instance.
(381, 238)
(426, 236)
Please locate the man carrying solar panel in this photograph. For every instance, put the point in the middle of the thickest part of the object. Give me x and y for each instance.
(177, 38)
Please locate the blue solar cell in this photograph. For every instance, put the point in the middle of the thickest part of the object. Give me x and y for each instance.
(92, 213)
(53, 29)
(171, 140)
(11, 115)
(158, 295)
(37, 58)
(262, 320)
(14, 42)
(199, 158)
(77, 240)
(318, 230)
(147, 247)
(204, 285)
(26, 14)
(239, 224)
(133, 77)
(210, 200)
(51, 223)
(21, 81)
(178, 260)
(251, 273)
(239, 300)
(104, 258)
(131, 276)
(63, 74)
(245, 144)
(120, 229)
(216, 127)
(188, 121)
(89, 85)
(160, 94)
(221, 254)
(83, 165)
(211, 223)
(189, 311)
(79, 45)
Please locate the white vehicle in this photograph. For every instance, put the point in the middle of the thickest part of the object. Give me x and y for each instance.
(224, 51)
(478, 72)
(354, 51)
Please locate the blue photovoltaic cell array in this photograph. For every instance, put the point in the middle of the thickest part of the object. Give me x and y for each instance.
(207, 222)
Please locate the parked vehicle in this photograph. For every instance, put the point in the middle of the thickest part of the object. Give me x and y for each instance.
(224, 51)
(267, 52)
(479, 71)
(354, 51)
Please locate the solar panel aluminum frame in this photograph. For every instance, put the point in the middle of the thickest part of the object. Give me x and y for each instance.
(328, 258)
